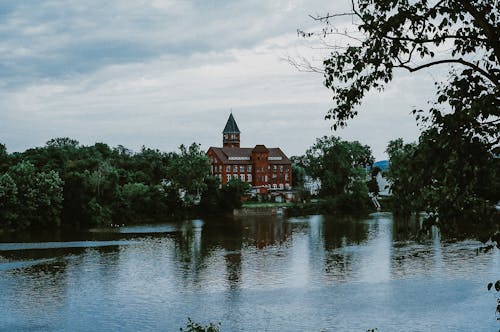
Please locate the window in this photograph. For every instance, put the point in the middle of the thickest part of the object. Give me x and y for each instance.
(242, 177)
(235, 169)
(274, 175)
(249, 168)
(242, 168)
(274, 186)
(281, 185)
(274, 168)
(249, 177)
(265, 178)
(220, 168)
(228, 177)
(286, 169)
(228, 168)
(281, 168)
(286, 176)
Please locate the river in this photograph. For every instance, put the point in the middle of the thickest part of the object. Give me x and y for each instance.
(313, 273)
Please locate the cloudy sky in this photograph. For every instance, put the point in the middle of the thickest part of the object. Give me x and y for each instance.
(161, 73)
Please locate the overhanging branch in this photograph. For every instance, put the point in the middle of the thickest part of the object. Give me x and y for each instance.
(483, 72)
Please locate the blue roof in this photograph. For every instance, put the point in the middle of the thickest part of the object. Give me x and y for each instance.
(382, 164)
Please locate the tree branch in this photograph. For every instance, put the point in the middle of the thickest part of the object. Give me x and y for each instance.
(461, 61)
(329, 16)
(433, 40)
(490, 31)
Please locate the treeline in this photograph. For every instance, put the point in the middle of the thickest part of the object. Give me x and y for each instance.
(67, 184)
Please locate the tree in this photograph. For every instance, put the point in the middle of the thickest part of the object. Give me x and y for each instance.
(231, 194)
(8, 201)
(462, 127)
(338, 164)
(412, 35)
(4, 158)
(60, 142)
(38, 196)
(188, 169)
(401, 176)
(298, 175)
(210, 201)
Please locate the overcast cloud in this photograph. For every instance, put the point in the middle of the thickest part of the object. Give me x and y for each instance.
(165, 73)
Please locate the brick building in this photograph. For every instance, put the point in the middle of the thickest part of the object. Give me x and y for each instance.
(266, 169)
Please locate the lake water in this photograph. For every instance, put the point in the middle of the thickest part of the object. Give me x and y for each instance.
(251, 274)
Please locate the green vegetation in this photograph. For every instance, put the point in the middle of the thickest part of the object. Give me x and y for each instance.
(341, 166)
(66, 184)
(452, 172)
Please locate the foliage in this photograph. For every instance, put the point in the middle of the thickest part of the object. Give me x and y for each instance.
(298, 175)
(75, 185)
(459, 185)
(373, 186)
(29, 198)
(232, 192)
(339, 165)
(196, 327)
(62, 142)
(188, 169)
(8, 201)
(409, 35)
(210, 201)
(405, 193)
(452, 173)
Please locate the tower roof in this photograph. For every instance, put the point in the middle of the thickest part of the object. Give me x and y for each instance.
(231, 126)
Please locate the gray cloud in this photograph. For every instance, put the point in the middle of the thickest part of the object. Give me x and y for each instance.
(163, 73)
(50, 39)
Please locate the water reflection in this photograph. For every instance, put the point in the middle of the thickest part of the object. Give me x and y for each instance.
(253, 273)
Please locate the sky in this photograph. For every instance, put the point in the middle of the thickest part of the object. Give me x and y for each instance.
(164, 73)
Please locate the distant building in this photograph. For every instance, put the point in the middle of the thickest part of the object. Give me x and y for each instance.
(312, 185)
(265, 169)
(384, 186)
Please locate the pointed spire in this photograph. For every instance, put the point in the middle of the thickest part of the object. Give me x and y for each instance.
(231, 126)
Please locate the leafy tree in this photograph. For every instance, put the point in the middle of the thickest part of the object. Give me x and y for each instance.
(231, 194)
(298, 175)
(8, 201)
(401, 176)
(338, 164)
(100, 185)
(4, 158)
(188, 169)
(38, 196)
(62, 142)
(458, 185)
(388, 35)
(453, 170)
(210, 201)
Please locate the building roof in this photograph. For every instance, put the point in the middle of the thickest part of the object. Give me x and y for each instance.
(233, 155)
(231, 126)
